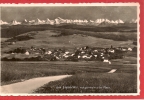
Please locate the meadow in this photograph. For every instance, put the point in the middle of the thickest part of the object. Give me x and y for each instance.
(95, 31)
(85, 74)
(93, 83)
(72, 39)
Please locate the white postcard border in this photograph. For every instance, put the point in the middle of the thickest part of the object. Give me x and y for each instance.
(83, 4)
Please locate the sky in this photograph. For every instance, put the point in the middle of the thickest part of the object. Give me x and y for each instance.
(126, 13)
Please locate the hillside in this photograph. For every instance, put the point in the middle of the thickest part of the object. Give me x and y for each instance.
(11, 31)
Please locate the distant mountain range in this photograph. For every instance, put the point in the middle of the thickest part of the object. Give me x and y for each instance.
(58, 20)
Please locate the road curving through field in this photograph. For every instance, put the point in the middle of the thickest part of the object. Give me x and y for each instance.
(30, 85)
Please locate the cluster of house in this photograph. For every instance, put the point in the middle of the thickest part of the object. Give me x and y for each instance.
(83, 53)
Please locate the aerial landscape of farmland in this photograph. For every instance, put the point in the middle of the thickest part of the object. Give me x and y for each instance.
(88, 56)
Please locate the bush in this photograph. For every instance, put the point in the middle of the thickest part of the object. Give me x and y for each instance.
(135, 42)
(20, 38)
(134, 49)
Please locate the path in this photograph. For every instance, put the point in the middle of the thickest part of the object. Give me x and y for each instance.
(30, 85)
(112, 71)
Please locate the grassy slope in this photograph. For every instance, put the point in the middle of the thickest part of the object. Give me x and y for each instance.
(19, 29)
(86, 74)
(93, 83)
(44, 39)
(12, 71)
(116, 35)
(12, 31)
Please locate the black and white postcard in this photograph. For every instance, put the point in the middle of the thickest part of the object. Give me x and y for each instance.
(70, 49)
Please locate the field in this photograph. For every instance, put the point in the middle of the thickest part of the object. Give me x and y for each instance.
(92, 83)
(88, 76)
(47, 39)
(86, 71)
(12, 31)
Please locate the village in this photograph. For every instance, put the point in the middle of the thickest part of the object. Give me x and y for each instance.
(85, 53)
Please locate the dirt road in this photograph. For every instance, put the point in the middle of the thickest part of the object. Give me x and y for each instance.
(30, 85)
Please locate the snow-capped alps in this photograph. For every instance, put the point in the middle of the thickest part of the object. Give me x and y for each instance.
(133, 21)
(3, 23)
(14, 22)
(59, 20)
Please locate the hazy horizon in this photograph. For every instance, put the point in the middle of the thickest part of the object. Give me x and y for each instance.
(125, 13)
